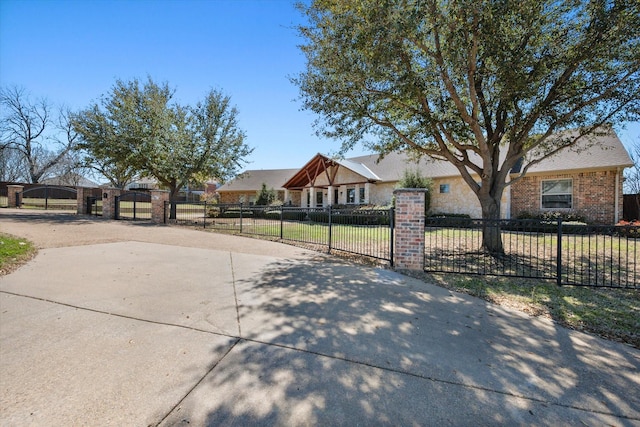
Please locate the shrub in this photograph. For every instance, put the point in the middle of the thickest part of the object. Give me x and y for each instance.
(414, 179)
(213, 212)
(236, 213)
(628, 229)
(553, 216)
(265, 196)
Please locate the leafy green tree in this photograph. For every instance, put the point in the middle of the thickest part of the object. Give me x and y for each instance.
(483, 84)
(138, 129)
(412, 178)
(265, 196)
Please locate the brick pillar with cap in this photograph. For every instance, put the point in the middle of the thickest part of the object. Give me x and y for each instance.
(409, 228)
(14, 195)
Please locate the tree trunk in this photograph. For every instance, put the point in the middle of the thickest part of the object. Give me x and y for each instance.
(491, 237)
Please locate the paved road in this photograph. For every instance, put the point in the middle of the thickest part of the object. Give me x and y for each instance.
(128, 324)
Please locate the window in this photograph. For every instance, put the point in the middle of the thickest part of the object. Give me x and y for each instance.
(361, 195)
(444, 188)
(557, 194)
(319, 198)
(351, 195)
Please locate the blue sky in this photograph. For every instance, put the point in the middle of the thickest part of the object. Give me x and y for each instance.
(71, 52)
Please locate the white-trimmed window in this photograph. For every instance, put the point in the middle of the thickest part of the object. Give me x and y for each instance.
(557, 194)
(351, 196)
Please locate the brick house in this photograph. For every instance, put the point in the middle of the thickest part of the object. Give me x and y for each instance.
(586, 179)
(244, 188)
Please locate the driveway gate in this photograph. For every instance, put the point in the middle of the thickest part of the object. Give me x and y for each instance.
(134, 205)
(50, 197)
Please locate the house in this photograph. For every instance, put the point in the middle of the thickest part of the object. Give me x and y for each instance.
(244, 188)
(142, 183)
(70, 180)
(585, 179)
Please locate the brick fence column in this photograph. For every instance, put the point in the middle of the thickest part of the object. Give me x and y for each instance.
(158, 199)
(409, 228)
(14, 195)
(109, 202)
(81, 200)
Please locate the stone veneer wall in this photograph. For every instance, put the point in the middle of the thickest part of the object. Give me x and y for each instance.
(460, 199)
(593, 195)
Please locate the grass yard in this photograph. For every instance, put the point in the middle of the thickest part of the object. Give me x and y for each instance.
(600, 259)
(41, 203)
(14, 252)
(610, 313)
(369, 241)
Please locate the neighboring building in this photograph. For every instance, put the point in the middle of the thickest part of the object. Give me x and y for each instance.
(70, 180)
(584, 180)
(244, 188)
(144, 183)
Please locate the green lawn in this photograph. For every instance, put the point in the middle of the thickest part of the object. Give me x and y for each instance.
(609, 313)
(40, 203)
(14, 252)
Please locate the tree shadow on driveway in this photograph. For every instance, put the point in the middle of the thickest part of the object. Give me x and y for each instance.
(329, 343)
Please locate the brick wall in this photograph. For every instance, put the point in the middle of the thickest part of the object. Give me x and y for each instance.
(593, 195)
(409, 229)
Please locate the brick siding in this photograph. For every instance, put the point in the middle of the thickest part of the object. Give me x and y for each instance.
(593, 195)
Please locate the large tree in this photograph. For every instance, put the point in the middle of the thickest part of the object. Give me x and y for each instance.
(632, 176)
(483, 84)
(140, 129)
(33, 141)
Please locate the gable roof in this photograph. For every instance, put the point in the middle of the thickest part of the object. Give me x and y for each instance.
(320, 163)
(605, 152)
(597, 152)
(73, 180)
(253, 179)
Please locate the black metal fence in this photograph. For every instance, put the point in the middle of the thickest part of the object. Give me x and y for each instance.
(4, 197)
(49, 197)
(362, 231)
(94, 202)
(568, 253)
(134, 205)
(571, 254)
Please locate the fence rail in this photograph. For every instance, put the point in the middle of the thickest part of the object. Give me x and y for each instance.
(49, 197)
(365, 232)
(570, 254)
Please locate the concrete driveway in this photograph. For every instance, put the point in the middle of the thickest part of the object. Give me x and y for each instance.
(129, 324)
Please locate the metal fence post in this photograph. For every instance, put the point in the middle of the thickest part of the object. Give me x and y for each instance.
(204, 216)
(559, 254)
(329, 244)
(282, 222)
